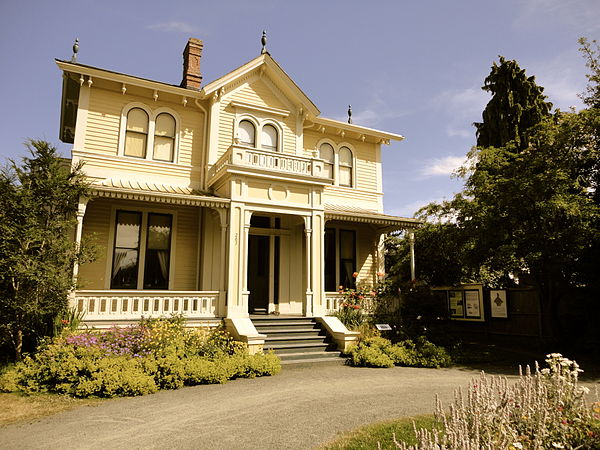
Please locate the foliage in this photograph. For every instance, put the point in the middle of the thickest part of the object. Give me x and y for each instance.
(380, 352)
(591, 53)
(543, 410)
(530, 209)
(136, 360)
(382, 435)
(517, 104)
(359, 302)
(37, 215)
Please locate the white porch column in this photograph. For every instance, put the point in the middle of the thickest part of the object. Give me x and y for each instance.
(244, 261)
(308, 302)
(237, 295)
(224, 258)
(318, 263)
(411, 243)
(83, 201)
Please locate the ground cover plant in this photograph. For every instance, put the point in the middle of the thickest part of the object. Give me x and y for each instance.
(382, 434)
(135, 360)
(545, 409)
(380, 352)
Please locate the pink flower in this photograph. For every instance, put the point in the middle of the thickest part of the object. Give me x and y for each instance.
(355, 274)
(380, 274)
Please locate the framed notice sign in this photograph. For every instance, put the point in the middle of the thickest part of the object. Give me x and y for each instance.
(498, 304)
(472, 303)
(455, 302)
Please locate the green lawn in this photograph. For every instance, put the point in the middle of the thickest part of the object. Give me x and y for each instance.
(368, 436)
(21, 408)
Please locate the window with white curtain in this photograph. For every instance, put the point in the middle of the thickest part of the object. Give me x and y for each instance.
(269, 138)
(327, 154)
(149, 135)
(136, 134)
(345, 166)
(247, 133)
(164, 137)
(141, 237)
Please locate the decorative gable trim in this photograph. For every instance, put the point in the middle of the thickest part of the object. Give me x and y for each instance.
(263, 109)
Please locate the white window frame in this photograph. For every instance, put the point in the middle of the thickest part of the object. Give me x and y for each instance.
(258, 131)
(152, 115)
(336, 160)
(143, 243)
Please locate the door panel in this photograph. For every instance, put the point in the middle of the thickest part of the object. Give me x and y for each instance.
(258, 274)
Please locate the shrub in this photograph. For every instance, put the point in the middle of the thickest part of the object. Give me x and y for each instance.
(378, 352)
(365, 356)
(546, 409)
(136, 360)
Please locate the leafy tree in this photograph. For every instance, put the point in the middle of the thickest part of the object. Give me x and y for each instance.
(517, 104)
(37, 251)
(591, 53)
(530, 206)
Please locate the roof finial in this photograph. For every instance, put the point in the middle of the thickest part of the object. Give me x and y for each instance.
(263, 40)
(349, 113)
(75, 50)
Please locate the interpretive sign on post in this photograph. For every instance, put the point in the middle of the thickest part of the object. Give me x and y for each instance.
(498, 304)
(383, 327)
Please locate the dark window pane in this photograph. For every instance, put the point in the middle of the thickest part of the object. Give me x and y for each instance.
(158, 251)
(126, 253)
(330, 282)
(347, 258)
(260, 221)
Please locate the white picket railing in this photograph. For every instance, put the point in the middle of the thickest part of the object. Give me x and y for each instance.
(282, 163)
(133, 305)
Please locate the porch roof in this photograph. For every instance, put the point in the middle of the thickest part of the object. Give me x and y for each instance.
(353, 214)
(155, 192)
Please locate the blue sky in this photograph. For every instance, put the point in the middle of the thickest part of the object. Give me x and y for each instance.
(413, 68)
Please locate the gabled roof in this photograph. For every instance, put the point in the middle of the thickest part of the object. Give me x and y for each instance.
(268, 66)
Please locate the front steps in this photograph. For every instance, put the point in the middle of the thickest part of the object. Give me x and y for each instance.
(296, 339)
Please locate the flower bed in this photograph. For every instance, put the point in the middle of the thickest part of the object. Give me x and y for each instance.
(542, 410)
(136, 360)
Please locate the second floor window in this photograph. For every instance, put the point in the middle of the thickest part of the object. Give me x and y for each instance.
(164, 137)
(345, 166)
(136, 135)
(247, 133)
(269, 138)
(149, 135)
(327, 154)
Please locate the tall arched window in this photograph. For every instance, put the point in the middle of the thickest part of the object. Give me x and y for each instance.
(164, 137)
(136, 134)
(268, 139)
(326, 153)
(247, 133)
(345, 162)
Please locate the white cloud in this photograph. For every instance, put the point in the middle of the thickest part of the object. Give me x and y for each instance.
(174, 27)
(462, 107)
(442, 166)
(579, 15)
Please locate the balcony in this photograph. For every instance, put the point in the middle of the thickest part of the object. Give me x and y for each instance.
(262, 162)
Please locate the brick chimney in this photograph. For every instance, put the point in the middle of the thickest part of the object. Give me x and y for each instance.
(191, 64)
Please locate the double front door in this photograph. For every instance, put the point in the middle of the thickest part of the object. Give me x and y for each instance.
(263, 273)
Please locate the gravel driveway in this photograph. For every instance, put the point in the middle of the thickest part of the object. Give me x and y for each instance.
(300, 408)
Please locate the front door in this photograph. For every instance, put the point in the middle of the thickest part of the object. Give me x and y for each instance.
(258, 274)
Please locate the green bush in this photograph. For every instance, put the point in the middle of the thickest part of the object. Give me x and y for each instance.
(370, 357)
(136, 360)
(380, 352)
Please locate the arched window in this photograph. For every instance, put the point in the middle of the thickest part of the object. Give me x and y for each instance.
(345, 162)
(269, 138)
(164, 137)
(326, 154)
(136, 134)
(246, 133)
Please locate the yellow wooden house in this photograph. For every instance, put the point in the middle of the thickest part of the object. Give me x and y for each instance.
(229, 200)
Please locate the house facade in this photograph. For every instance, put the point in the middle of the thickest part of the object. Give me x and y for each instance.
(221, 200)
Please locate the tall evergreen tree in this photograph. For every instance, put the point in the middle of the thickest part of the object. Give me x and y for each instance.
(517, 104)
(37, 251)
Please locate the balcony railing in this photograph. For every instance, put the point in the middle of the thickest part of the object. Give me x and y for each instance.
(133, 305)
(271, 161)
